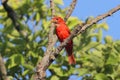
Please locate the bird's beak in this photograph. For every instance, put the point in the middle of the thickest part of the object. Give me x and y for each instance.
(53, 21)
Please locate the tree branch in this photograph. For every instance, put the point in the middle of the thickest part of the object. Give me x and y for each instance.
(13, 16)
(49, 58)
(52, 38)
(71, 8)
(3, 72)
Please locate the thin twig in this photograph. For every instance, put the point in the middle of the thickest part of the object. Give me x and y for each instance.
(52, 8)
(47, 59)
(3, 72)
(70, 10)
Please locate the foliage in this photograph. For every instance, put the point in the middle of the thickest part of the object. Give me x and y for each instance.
(96, 58)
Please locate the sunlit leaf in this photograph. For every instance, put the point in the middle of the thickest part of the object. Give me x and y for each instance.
(72, 21)
(99, 37)
(91, 45)
(25, 72)
(104, 26)
(17, 4)
(30, 67)
(112, 59)
(108, 39)
(59, 2)
(16, 59)
(54, 78)
(101, 76)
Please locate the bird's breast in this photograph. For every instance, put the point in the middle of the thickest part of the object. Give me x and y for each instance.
(62, 33)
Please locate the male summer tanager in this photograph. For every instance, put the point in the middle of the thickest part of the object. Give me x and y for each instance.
(63, 32)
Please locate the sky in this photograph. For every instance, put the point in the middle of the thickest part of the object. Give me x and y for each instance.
(86, 8)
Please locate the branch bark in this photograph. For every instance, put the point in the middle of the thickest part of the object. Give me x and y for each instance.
(3, 72)
(70, 10)
(49, 58)
(52, 38)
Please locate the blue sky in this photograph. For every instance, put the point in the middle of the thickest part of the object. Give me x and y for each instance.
(86, 8)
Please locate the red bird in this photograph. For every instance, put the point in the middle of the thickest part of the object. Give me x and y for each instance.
(63, 32)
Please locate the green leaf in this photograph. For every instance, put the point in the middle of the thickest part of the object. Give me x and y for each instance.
(18, 59)
(101, 76)
(25, 72)
(72, 21)
(108, 69)
(117, 46)
(59, 2)
(96, 60)
(28, 66)
(54, 78)
(10, 45)
(112, 59)
(37, 17)
(104, 26)
(90, 46)
(82, 71)
(45, 24)
(15, 59)
(108, 39)
(59, 71)
(15, 33)
(99, 37)
(100, 47)
(17, 4)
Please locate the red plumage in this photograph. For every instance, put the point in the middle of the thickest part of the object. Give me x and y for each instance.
(63, 32)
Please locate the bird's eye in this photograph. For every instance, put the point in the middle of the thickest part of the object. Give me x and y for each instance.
(56, 18)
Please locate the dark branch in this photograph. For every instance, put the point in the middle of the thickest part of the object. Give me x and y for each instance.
(71, 8)
(48, 58)
(3, 72)
(13, 16)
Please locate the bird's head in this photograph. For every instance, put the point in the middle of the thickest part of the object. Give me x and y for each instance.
(57, 20)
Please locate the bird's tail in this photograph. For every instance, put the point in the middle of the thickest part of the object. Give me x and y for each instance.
(71, 59)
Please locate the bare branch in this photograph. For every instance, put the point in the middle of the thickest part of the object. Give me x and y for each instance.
(71, 8)
(52, 8)
(3, 72)
(49, 58)
(40, 74)
(51, 37)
